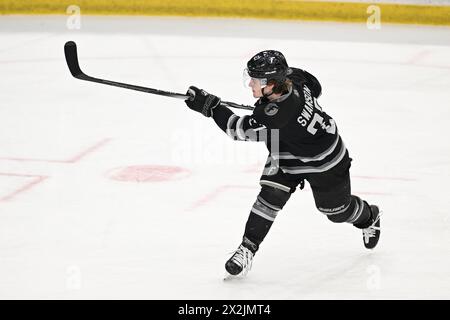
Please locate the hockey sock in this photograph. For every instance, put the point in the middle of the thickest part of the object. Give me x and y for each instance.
(363, 217)
(256, 230)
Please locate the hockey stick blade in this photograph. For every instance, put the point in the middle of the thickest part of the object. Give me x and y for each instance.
(70, 51)
(71, 54)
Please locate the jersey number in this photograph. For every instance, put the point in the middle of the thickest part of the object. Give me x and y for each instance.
(331, 128)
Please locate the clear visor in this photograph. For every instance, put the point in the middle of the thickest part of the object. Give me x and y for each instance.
(249, 81)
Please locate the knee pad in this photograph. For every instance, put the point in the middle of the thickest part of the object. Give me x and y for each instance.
(338, 214)
(348, 213)
(270, 200)
(273, 198)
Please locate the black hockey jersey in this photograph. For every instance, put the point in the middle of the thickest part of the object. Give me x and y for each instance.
(299, 135)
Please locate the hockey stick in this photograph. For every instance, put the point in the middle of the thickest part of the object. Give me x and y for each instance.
(70, 51)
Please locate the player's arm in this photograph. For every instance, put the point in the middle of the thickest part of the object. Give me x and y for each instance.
(244, 128)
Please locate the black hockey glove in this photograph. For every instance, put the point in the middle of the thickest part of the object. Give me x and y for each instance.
(201, 101)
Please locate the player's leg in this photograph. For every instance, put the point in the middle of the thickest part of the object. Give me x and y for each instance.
(275, 192)
(332, 195)
(270, 200)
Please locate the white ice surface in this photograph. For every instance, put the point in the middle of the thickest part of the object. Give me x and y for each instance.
(80, 234)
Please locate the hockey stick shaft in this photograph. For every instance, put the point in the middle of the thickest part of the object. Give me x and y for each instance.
(70, 51)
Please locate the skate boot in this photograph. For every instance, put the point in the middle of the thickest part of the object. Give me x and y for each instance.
(241, 260)
(371, 234)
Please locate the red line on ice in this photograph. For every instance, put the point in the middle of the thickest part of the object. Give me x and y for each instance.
(36, 180)
(384, 178)
(219, 190)
(419, 56)
(369, 193)
(91, 149)
(255, 168)
(213, 194)
(72, 159)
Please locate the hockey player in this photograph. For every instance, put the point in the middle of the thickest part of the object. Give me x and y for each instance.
(303, 143)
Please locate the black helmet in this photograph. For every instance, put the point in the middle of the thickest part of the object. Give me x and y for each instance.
(268, 64)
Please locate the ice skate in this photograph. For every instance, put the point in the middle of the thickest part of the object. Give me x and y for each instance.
(240, 262)
(371, 234)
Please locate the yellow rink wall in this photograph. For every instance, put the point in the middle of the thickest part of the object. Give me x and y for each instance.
(262, 9)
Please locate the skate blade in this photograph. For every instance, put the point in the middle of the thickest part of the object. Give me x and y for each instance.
(230, 277)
